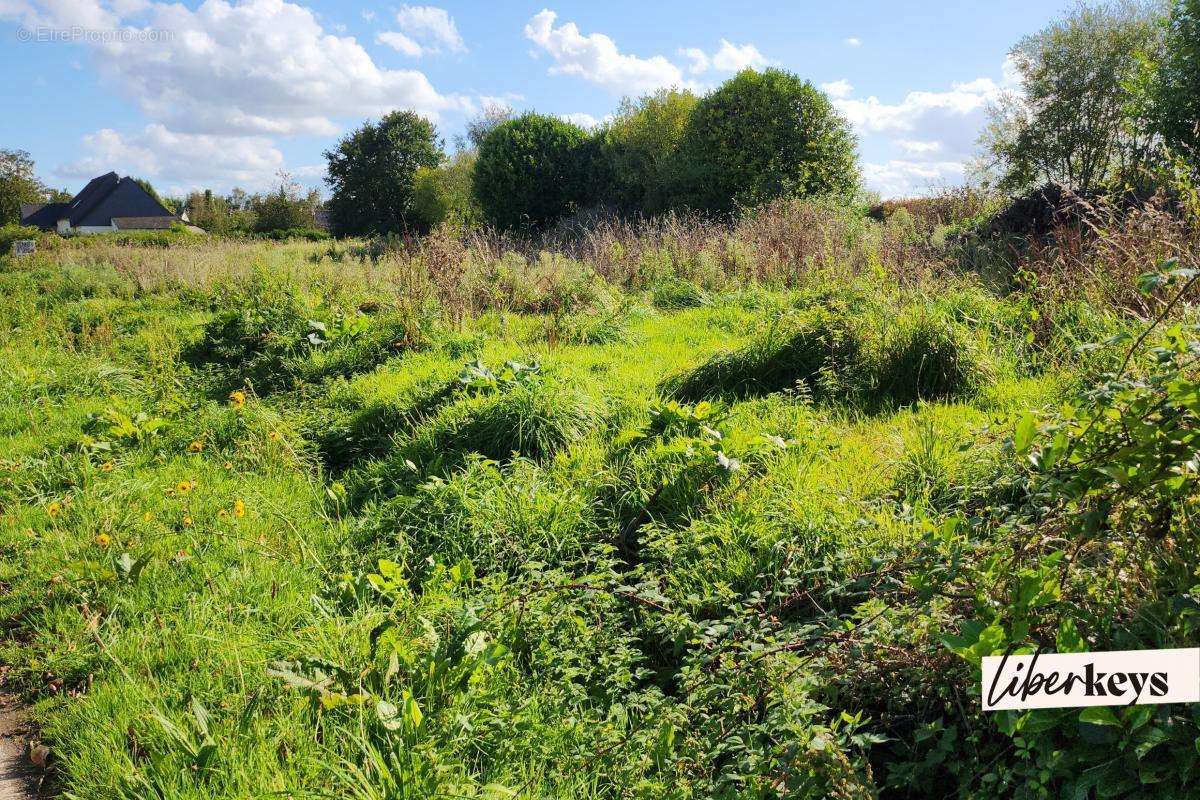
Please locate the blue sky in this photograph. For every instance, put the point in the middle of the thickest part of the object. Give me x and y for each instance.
(229, 92)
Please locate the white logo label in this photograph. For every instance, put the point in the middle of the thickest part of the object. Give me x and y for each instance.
(1075, 680)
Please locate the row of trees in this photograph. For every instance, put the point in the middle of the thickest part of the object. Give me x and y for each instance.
(759, 136)
(1110, 94)
(285, 208)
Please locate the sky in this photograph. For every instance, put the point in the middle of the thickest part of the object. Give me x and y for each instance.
(226, 93)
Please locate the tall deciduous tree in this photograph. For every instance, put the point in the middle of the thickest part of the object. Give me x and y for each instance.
(370, 174)
(18, 185)
(1074, 120)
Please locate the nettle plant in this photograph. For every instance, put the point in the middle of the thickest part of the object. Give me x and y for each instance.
(1094, 546)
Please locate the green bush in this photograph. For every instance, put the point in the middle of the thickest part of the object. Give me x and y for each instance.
(531, 171)
(443, 194)
(763, 135)
(12, 233)
(926, 357)
(637, 151)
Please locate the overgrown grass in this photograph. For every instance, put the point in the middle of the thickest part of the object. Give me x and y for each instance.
(320, 528)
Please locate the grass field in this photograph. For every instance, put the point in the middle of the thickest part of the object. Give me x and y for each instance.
(654, 542)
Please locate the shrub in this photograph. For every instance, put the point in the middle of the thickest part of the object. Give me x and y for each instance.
(12, 233)
(530, 171)
(637, 151)
(672, 293)
(443, 194)
(763, 135)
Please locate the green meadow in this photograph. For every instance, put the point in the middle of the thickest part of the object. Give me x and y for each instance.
(272, 525)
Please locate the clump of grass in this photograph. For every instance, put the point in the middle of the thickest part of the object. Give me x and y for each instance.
(927, 357)
(811, 352)
(673, 293)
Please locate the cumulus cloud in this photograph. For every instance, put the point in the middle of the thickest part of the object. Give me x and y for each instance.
(728, 57)
(698, 57)
(596, 58)
(585, 121)
(423, 30)
(230, 73)
(923, 139)
(399, 42)
(839, 88)
(852, 41)
(170, 158)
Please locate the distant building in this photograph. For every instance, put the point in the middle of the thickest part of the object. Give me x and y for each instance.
(108, 203)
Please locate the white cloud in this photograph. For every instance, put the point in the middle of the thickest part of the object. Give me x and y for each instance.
(585, 121)
(734, 58)
(839, 88)
(728, 57)
(698, 58)
(596, 59)
(853, 41)
(923, 139)
(169, 158)
(399, 42)
(918, 148)
(900, 178)
(431, 25)
(228, 75)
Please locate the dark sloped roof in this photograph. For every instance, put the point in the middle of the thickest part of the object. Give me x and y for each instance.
(103, 201)
(43, 215)
(96, 190)
(144, 223)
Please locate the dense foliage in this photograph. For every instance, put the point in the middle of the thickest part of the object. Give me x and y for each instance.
(531, 170)
(18, 184)
(370, 173)
(443, 194)
(1177, 89)
(763, 135)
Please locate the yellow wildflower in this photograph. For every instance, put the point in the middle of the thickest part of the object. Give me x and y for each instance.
(54, 509)
(273, 436)
(196, 446)
(103, 539)
(228, 465)
(183, 487)
(237, 399)
(107, 466)
(187, 521)
(222, 514)
(147, 516)
(239, 509)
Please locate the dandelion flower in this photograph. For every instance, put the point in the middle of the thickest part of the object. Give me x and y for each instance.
(54, 509)
(107, 466)
(187, 521)
(239, 509)
(103, 539)
(196, 446)
(237, 399)
(183, 487)
(273, 436)
(147, 516)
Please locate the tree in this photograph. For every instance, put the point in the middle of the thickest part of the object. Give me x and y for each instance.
(479, 126)
(1074, 121)
(763, 135)
(370, 174)
(1176, 91)
(18, 185)
(150, 190)
(284, 209)
(531, 170)
(443, 194)
(638, 149)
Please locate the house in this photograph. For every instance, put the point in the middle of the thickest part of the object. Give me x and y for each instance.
(108, 203)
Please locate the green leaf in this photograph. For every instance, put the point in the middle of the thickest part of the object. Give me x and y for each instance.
(1099, 715)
